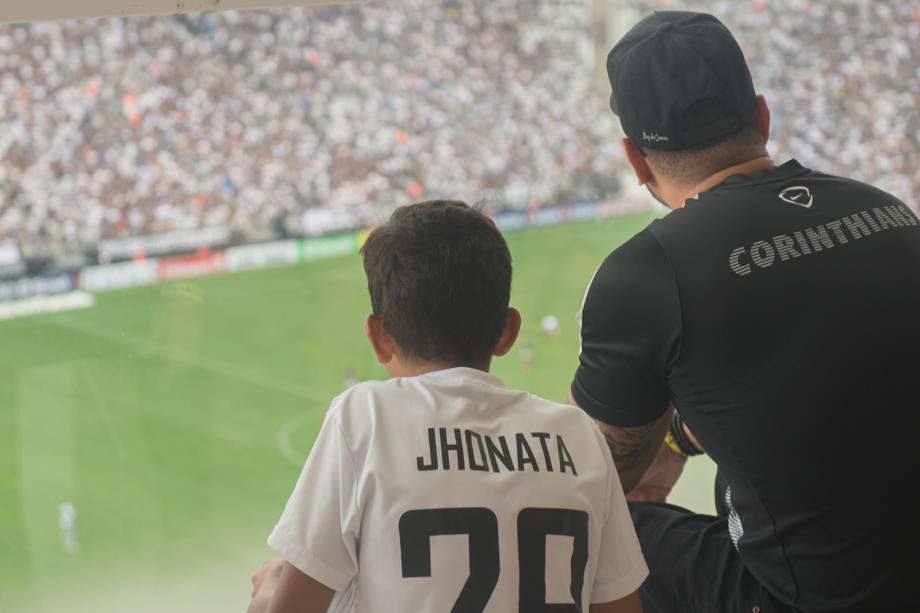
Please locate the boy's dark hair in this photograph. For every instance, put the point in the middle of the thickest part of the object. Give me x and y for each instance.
(439, 276)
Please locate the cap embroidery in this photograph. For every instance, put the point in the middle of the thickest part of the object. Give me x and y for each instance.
(654, 138)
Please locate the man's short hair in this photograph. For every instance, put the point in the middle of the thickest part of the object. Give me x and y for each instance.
(692, 165)
(439, 277)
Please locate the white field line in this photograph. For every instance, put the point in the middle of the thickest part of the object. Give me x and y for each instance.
(283, 440)
(228, 369)
(37, 305)
(102, 407)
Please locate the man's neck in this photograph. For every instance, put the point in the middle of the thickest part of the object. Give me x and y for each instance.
(744, 168)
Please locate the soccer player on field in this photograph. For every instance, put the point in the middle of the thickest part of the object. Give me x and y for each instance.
(525, 488)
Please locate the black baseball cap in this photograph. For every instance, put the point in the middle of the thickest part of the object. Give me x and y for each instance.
(680, 80)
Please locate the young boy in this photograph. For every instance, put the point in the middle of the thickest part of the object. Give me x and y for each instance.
(440, 490)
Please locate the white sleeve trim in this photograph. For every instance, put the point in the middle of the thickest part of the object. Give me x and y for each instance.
(622, 587)
(579, 315)
(307, 563)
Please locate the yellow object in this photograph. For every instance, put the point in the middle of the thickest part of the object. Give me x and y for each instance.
(670, 442)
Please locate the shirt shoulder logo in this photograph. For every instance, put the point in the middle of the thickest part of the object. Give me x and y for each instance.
(798, 195)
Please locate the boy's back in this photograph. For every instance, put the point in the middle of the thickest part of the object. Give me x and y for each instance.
(521, 491)
(440, 490)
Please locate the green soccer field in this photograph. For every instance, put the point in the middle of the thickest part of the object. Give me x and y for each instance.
(175, 417)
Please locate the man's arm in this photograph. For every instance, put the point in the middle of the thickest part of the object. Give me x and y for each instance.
(633, 449)
(280, 588)
(660, 477)
(630, 604)
(630, 336)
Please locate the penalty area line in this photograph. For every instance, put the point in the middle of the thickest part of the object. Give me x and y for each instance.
(283, 439)
(283, 435)
(227, 369)
(102, 407)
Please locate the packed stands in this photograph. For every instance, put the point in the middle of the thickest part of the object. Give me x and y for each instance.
(292, 121)
(261, 125)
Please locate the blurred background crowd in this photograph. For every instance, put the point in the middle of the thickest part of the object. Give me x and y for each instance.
(290, 121)
(305, 121)
(842, 79)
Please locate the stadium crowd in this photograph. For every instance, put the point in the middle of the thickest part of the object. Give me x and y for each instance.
(301, 121)
(291, 120)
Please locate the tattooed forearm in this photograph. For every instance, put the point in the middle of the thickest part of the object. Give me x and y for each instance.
(629, 446)
(633, 449)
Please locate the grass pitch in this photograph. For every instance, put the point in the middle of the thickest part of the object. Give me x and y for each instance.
(175, 418)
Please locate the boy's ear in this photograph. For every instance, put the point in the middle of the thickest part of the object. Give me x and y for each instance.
(381, 342)
(509, 334)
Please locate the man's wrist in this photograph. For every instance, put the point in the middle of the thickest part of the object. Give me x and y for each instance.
(677, 438)
(672, 444)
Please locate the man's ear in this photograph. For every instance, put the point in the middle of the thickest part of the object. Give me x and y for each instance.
(638, 161)
(509, 333)
(381, 342)
(762, 118)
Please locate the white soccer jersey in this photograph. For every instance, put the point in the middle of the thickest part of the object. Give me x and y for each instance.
(447, 491)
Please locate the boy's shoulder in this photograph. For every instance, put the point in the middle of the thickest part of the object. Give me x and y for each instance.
(372, 393)
(366, 402)
(375, 390)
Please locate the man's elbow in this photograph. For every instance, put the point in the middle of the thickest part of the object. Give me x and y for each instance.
(632, 449)
(629, 479)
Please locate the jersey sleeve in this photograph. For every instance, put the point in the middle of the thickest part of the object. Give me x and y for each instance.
(630, 332)
(319, 529)
(621, 567)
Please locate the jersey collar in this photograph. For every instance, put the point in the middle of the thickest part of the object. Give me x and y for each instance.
(790, 169)
(462, 373)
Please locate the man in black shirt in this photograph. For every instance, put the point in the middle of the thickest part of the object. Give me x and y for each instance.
(777, 309)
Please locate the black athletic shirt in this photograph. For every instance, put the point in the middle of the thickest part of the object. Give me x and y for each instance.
(780, 312)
